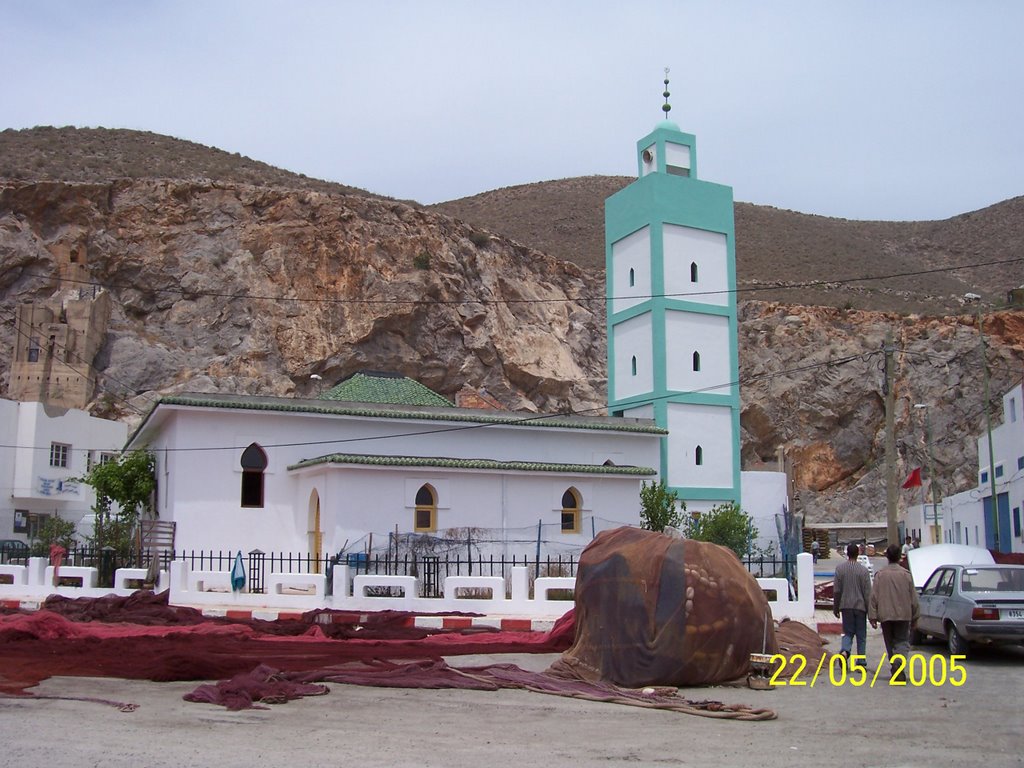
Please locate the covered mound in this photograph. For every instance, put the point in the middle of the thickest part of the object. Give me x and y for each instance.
(652, 609)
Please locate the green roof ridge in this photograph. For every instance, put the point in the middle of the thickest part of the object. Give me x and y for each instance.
(463, 415)
(450, 463)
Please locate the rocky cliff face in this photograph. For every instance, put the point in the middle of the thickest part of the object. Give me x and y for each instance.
(245, 289)
(234, 288)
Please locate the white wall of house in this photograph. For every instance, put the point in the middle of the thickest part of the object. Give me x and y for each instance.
(764, 494)
(963, 520)
(965, 511)
(199, 449)
(29, 483)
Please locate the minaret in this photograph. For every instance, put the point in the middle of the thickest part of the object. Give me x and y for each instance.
(672, 333)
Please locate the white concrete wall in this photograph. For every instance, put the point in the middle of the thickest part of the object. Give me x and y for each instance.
(686, 245)
(201, 490)
(963, 514)
(206, 589)
(677, 155)
(764, 495)
(631, 252)
(633, 337)
(710, 427)
(690, 332)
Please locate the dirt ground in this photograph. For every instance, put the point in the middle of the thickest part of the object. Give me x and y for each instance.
(927, 725)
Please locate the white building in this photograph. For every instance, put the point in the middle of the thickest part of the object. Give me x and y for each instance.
(42, 449)
(380, 455)
(967, 517)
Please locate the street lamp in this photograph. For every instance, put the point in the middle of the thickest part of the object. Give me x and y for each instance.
(931, 470)
(319, 383)
(976, 299)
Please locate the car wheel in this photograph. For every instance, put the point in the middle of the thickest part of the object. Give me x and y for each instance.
(955, 642)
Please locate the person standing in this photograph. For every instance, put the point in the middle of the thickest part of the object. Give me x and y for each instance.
(815, 550)
(851, 592)
(907, 546)
(894, 604)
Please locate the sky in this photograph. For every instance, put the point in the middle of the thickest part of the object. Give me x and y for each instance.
(886, 110)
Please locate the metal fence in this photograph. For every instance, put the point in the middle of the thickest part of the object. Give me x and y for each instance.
(431, 570)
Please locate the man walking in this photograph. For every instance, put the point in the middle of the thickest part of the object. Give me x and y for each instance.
(894, 603)
(851, 592)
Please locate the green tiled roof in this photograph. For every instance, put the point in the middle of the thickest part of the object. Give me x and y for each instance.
(499, 466)
(367, 387)
(447, 414)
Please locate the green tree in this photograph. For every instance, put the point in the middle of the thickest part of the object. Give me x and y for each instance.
(658, 507)
(724, 524)
(53, 529)
(127, 483)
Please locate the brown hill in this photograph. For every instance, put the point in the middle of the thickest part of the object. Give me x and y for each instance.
(778, 248)
(99, 155)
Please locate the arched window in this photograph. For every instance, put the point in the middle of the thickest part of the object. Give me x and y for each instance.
(698, 456)
(633, 365)
(696, 361)
(254, 462)
(693, 271)
(571, 505)
(426, 508)
(632, 277)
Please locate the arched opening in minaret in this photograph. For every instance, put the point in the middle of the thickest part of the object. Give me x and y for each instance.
(693, 271)
(632, 277)
(696, 361)
(633, 365)
(698, 456)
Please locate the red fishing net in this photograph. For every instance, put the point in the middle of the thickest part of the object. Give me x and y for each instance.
(652, 613)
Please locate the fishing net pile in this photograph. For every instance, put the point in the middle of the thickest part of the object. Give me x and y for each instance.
(653, 609)
(652, 613)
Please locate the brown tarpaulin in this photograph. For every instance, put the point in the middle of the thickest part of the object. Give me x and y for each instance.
(653, 609)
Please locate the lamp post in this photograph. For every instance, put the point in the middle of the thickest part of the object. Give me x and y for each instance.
(931, 470)
(973, 297)
(319, 383)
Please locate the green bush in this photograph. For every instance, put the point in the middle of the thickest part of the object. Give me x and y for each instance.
(658, 507)
(724, 524)
(479, 239)
(53, 530)
(421, 260)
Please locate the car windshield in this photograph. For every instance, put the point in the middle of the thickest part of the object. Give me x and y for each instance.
(992, 580)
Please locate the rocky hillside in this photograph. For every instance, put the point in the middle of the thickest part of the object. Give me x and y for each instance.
(779, 251)
(236, 287)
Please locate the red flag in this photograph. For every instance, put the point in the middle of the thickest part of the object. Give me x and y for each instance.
(914, 480)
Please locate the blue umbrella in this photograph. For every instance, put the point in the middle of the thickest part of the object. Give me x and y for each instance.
(238, 573)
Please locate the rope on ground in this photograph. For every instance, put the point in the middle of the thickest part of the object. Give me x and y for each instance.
(121, 706)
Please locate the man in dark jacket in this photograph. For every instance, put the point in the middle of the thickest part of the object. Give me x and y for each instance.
(894, 603)
(850, 593)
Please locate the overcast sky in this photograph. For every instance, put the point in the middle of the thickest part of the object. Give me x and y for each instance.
(862, 110)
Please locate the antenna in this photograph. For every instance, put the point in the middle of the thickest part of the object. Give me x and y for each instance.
(666, 107)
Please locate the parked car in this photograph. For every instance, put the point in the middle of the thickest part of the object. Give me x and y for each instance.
(11, 549)
(972, 604)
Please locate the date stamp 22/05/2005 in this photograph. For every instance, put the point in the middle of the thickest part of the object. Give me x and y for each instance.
(916, 670)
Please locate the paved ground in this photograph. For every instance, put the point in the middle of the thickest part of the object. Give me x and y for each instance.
(928, 725)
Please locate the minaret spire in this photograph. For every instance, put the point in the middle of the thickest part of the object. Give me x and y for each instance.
(666, 107)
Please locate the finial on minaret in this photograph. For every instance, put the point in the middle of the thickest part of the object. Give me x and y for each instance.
(666, 107)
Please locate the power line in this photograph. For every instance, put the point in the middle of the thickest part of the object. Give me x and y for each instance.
(244, 295)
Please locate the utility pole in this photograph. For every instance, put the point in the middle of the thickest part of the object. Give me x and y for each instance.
(889, 389)
(931, 471)
(988, 430)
